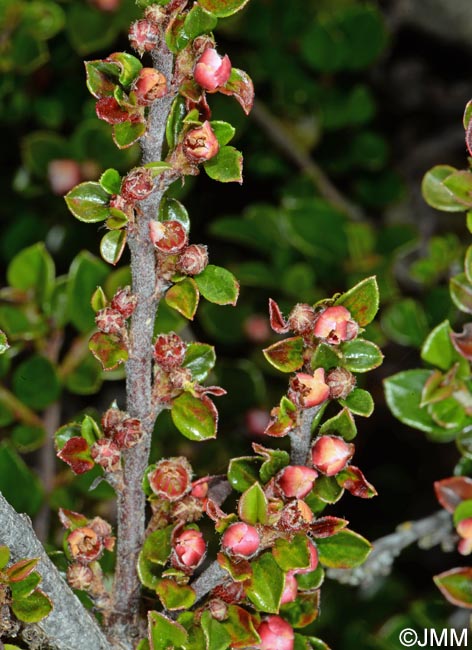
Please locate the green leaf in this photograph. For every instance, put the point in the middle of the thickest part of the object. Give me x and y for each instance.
(88, 202)
(174, 596)
(302, 611)
(436, 194)
(33, 608)
(456, 586)
(40, 148)
(265, 587)
(155, 552)
(463, 511)
(18, 484)
(240, 627)
(26, 586)
(195, 418)
(218, 285)
(223, 130)
(438, 349)
(184, 297)
(173, 210)
(403, 394)
(223, 8)
(311, 580)
(200, 359)
(198, 21)
(109, 349)
(110, 181)
(468, 264)
(326, 356)
(243, 472)
(4, 345)
(326, 489)
(98, 300)
(89, 430)
(342, 424)
(4, 556)
(127, 133)
(112, 246)
(461, 292)
(292, 554)
(360, 402)
(460, 184)
(405, 322)
(361, 355)
(101, 78)
(345, 550)
(175, 121)
(85, 378)
(35, 382)
(274, 461)
(85, 274)
(33, 268)
(252, 507)
(216, 636)
(165, 633)
(226, 166)
(362, 301)
(130, 67)
(286, 355)
(28, 438)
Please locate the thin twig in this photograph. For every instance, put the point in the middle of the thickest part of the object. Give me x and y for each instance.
(300, 438)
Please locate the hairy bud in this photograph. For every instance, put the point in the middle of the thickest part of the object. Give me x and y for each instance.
(169, 237)
(218, 609)
(149, 86)
(302, 318)
(276, 634)
(106, 453)
(124, 302)
(330, 454)
(200, 144)
(308, 390)
(110, 321)
(171, 479)
(128, 433)
(189, 549)
(241, 539)
(137, 185)
(79, 576)
(341, 382)
(296, 515)
(296, 481)
(335, 325)
(143, 35)
(193, 259)
(169, 351)
(211, 70)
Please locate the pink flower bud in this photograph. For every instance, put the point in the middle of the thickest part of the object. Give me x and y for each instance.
(302, 318)
(85, 545)
(169, 351)
(290, 590)
(137, 185)
(171, 478)
(200, 488)
(63, 175)
(296, 481)
(169, 237)
(102, 528)
(212, 70)
(241, 539)
(110, 321)
(128, 433)
(276, 634)
(341, 382)
(313, 560)
(464, 528)
(108, 110)
(149, 86)
(335, 325)
(193, 259)
(124, 302)
(189, 549)
(309, 390)
(331, 454)
(143, 35)
(465, 546)
(200, 144)
(79, 576)
(106, 453)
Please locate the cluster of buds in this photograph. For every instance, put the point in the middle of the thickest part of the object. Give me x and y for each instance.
(120, 432)
(112, 319)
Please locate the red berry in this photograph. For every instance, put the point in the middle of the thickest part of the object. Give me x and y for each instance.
(212, 70)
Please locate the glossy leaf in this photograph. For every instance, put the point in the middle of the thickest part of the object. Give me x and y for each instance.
(327, 489)
(4, 345)
(164, 633)
(292, 554)
(112, 246)
(155, 552)
(33, 269)
(109, 349)
(173, 210)
(101, 77)
(226, 166)
(110, 181)
(198, 21)
(129, 67)
(460, 184)
(451, 491)
(456, 586)
(127, 133)
(240, 626)
(265, 587)
(175, 121)
(195, 418)
(274, 461)
(359, 402)
(200, 359)
(253, 505)
(223, 8)
(353, 480)
(436, 194)
(461, 292)
(438, 348)
(286, 355)
(243, 472)
(345, 550)
(223, 130)
(174, 596)
(362, 301)
(326, 356)
(216, 636)
(184, 297)
(88, 202)
(26, 586)
(341, 424)
(33, 608)
(302, 611)
(218, 285)
(76, 453)
(361, 355)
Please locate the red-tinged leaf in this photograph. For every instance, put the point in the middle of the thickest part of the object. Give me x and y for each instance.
(108, 110)
(102, 78)
(216, 391)
(164, 633)
(72, 520)
(88, 202)
(109, 349)
(456, 586)
(451, 491)
(283, 419)
(184, 297)
(362, 301)
(32, 608)
(76, 453)
(196, 419)
(327, 526)
(463, 341)
(277, 321)
(353, 480)
(174, 596)
(240, 86)
(240, 626)
(239, 569)
(21, 570)
(286, 355)
(127, 133)
(304, 610)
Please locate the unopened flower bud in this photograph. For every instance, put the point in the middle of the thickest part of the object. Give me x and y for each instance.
(169, 237)
(309, 390)
(101, 527)
(200, 144)
(171, 479)
(149, 86)
(143, 35)
(465, 546)
(180, 378)
(124, 302)
(106, 453)
(313, 552)
(193, 259)
(211, 70)
(330, 454)
(241, 539)
(302, 318)
(128, 433)
(335, 325)
(276, 634)
(290, 590)
(464, 528)
(111, 419)
(200, 488)
(63, 175)
(189, 549)
(79, 576)
(296, 481)
(169, 351)
(218, 609)
(110, 321)
(137, 184)
(341, 382)
(85, 545)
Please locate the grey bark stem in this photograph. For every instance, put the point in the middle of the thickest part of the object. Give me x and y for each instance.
(300, 438)
(69, 626)
(124, 622)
